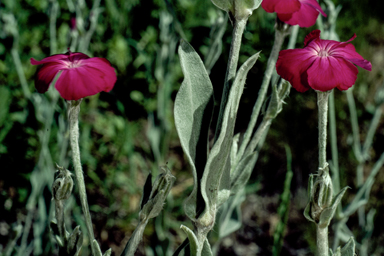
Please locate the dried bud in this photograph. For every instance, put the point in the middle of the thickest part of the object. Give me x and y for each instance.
(63, 184)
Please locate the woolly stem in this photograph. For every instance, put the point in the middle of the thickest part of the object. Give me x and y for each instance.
(73, 116)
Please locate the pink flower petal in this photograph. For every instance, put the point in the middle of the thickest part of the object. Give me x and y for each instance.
(59, 58)
(93, 76)
(292, 66)
(315, 34)
(81, 76)
(348, 52)
(281, 6)
(327, 73)
(314, 5)
(305, 17)
(45, 75)
(104, 70)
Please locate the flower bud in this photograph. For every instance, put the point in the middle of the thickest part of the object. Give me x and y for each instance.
(322, 193)
(63, 184)
(322, 205)
(152, 206)
(239, 9)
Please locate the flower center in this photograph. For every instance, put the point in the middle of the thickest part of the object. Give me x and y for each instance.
(323, 53)
(74, 64)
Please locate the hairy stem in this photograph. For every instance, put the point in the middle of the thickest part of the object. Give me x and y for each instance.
(334, 150)
(135, 239)
(73, 116)
(322, 104)
(279, 39)
(238, 30)
(59, 211)
(322, 241)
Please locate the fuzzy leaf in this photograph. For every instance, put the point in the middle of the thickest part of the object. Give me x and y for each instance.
(349, 248)
(242, 172)
(218, 157)
(235, 148)
(207, 251)
(108, 252)
(275, 105)
(327, 214)
(193, 113)
(193, 243)
(230, 215)
(307, 213)
(75, 241)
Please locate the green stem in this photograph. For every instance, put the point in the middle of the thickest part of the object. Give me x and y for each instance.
(73, 116)
(59, 212)
(52, 26)
(355, 126)
(371, 131)
(279, 39)
(238, 30)
(322, 241)
(135, 239)
(261, 130)
(333, 137)
(322, 104)
(293, 37)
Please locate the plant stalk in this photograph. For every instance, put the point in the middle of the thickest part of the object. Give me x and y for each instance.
(279, 39)
(322, 104)
(135, 239)
(238, 30)
(322, 241)
(73, 116)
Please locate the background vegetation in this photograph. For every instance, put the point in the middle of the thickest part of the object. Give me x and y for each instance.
(129, 132)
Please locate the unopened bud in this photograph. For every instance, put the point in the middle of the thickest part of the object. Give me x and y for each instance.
(63, 184)
(322, 205)
(322, 193)
(160, 189)
(239, 9)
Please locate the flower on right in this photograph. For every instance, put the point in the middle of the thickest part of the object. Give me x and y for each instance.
(294, 12)
(321, 65)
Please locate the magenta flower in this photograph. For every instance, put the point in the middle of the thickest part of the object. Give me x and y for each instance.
(294, 12)
(321, 65)
(81, 76)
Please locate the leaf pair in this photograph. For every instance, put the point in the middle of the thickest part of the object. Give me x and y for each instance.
(193, 112)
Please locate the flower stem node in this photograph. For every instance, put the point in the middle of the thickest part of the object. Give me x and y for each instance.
(63, 184)
(238, 9)
(322, 205)
(152, 205)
